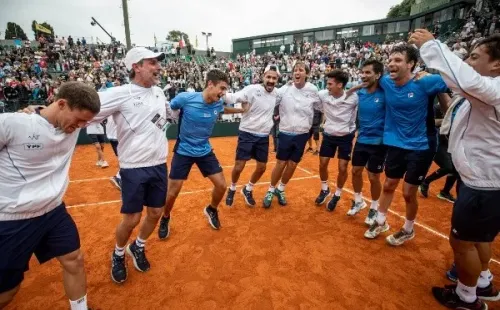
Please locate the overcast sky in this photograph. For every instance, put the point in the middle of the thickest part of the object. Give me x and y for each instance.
(225, 19)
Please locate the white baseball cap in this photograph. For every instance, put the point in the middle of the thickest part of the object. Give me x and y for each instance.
(273, 68)
(137, 54)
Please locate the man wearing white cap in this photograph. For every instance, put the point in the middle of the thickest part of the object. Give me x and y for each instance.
(255, 126)
(139, 112)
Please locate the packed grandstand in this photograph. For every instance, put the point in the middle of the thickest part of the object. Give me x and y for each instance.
(33, 73)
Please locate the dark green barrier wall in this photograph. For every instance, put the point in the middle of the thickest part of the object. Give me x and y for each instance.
(220, 130)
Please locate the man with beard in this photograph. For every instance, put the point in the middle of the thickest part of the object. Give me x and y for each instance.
(296, 109)
(198, 113)
(474, 144)
(369, 150)
(409, 133)
(255, 126)
(338, 133)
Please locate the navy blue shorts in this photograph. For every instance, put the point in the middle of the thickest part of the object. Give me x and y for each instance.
(370, 156)
(143, 187)
(476, 216)
(252, 146)
(330, 144)
(291, 147)
(114, 145)
(410, 164)
(48, 236)
(97, 138)
(181, 165)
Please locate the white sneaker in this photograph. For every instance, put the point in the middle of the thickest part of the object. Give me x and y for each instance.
(356, 207)
(376, 230)
(104, 164)
(98, 163)
(400, 237)
(371, 217)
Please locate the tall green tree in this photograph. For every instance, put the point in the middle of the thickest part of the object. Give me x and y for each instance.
(176, 35)
(44, 24)
(14, 31)
(401, 10)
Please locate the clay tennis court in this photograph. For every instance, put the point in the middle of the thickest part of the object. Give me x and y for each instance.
(294, 257)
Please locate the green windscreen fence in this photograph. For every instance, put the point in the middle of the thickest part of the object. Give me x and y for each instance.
(220, 130)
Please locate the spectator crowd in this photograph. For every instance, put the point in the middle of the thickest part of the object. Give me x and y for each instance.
(33, 74)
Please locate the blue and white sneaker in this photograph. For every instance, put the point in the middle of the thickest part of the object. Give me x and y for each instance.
(117, 182)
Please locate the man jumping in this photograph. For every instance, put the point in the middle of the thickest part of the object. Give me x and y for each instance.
(198, 113)
(296, 109)
(253, 137)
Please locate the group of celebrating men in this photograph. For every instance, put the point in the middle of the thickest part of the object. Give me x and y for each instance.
(396, 133)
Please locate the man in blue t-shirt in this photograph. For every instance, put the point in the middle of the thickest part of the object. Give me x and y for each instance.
(369, 150)
(410, 135)
(198, 113)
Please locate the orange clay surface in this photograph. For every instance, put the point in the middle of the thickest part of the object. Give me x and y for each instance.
(294, 257)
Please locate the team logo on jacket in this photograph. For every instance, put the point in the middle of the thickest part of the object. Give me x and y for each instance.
(410, 95)
(137, 102)
(33, 146)
(377, 100)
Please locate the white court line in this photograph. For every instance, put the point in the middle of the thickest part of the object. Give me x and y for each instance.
(93, 204)
(305, 170)
(182, 193)
(429, 229)
(107, 178)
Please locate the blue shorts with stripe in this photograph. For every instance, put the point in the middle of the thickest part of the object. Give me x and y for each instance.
(143, 187)
(47, 236)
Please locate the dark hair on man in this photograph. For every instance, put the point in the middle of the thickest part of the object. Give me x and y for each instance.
(409, 51)
(492, 45)
(339, 75)
(132, 72)
(301, 63)
(79, 96)
(216, 76)
(378, 67)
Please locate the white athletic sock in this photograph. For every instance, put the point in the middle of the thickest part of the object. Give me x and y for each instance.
(483, 280)
(381, 218)
(408, 227)
(119, 251)
(140, 243)
(233, 186)
(249, 186)
(487, 274)
(324, 185)
(80, 304)
(338, 192)
(358, 198)
(466, 293)
(281, 187)
(374, 205)
(271, 189)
